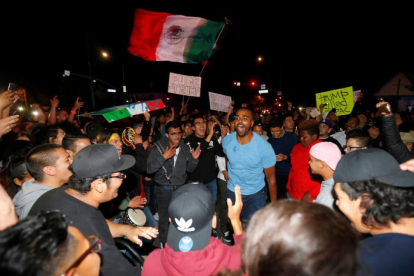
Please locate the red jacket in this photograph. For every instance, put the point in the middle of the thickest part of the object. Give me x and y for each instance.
(301, 180)
(209, 261)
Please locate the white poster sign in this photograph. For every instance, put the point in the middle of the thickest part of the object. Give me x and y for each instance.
(184, 85)
(219, 102)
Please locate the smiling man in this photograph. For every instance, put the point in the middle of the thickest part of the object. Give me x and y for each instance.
(205, 172)
(377, 197)
(97, 176)
(49, 166)
(250, 159)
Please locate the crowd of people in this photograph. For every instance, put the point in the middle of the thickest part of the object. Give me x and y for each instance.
(251, 191)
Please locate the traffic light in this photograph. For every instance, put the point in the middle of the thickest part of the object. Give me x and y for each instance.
(253, 83)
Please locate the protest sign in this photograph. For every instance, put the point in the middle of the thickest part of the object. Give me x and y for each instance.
(219, 102)
(342, 99)
(184, 85)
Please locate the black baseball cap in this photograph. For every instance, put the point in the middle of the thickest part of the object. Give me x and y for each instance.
(371, 164)
(99, 159)
(191, 211)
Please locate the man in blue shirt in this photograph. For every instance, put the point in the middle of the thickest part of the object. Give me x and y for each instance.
(282, 143)
(250, 158)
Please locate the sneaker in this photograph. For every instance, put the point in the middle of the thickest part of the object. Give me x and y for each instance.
(226, 238)
(156, 216)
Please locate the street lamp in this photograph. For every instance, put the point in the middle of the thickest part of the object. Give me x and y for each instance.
(260, 59)
(124, 89)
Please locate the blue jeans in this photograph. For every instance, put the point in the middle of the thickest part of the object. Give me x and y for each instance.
(251, 204)
(211, 186)
(150, 195)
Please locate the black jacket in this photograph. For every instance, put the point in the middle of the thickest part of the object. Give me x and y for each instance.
(392, 140)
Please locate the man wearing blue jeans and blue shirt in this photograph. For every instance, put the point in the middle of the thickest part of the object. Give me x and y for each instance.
(250, 159)
(205, 172)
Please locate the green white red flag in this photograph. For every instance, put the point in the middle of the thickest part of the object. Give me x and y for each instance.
(160, 36)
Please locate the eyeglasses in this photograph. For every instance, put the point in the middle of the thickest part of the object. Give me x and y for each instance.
(120, 176)
(95, 247)
(175, 133)
(187, 126)
(200, 123)
(348, 148)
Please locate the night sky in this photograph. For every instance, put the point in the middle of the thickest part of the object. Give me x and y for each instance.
(320, 47)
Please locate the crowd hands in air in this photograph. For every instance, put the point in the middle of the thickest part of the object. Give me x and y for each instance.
(254, 185)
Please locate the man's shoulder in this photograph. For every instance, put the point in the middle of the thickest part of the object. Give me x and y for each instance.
(290, 135)
(48, 201)
(228, 138)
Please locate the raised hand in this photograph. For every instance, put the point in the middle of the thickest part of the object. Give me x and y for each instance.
(7, 98)
(169, 152)
(234, 211)
(78, 104)
(223, 131)
(196, 152)
(384, 108)
(7, 124)
(54, 102)
(147, 116)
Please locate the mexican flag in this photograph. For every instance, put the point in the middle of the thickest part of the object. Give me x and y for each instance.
(160, 36)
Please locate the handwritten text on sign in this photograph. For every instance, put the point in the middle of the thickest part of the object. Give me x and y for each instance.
(219, 102)
(184, 85)
(342, 99)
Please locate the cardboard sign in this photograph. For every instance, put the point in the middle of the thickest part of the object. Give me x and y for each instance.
(123, 111)
(342, 99)
(184, 85)
(219, 102)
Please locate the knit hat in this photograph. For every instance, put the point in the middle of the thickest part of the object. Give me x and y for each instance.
(191, 211)
(327, 152)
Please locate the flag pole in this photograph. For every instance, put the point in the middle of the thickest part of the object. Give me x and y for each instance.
(217, 45)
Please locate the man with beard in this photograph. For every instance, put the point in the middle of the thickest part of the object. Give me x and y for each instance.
(170, 160)
(250, 158)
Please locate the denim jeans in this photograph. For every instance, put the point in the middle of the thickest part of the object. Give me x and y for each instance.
(211, 186)
(163, 197)
(149, 194)
(251, 204)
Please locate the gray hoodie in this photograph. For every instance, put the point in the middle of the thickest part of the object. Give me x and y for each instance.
(27, 196)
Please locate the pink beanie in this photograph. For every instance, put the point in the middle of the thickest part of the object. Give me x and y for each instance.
(327, 152)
